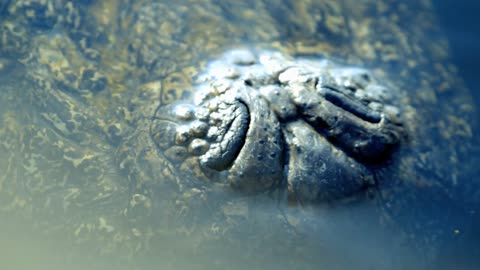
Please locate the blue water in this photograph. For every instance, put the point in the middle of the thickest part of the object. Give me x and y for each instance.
(461, 23)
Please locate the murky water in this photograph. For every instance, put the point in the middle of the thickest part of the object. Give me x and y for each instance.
(82, 185)
(460, 25)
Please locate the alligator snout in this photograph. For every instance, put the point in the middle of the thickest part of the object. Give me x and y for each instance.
(263, 120)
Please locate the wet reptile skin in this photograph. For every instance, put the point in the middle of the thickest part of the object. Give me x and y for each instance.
(119, 134)
(261, 120)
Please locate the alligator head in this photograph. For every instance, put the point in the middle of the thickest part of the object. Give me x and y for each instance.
(259, 121)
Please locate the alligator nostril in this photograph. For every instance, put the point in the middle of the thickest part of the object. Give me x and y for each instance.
(262, 119)
(353, 106)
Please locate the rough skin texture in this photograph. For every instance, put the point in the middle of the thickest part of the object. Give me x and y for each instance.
(258, 121)
(81, 161)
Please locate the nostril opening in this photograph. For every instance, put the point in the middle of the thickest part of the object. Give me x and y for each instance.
(248, 82)
(353, 106)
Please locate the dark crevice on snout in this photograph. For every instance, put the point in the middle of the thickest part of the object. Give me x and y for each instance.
(352, 106)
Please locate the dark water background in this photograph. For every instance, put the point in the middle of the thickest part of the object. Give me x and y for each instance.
(460, 21)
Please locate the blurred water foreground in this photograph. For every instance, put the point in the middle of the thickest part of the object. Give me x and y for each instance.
(82, 186)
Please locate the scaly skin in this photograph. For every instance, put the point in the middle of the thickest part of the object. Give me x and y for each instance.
(266, 119)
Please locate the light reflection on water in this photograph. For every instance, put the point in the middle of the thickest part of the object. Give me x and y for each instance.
(342, 237)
